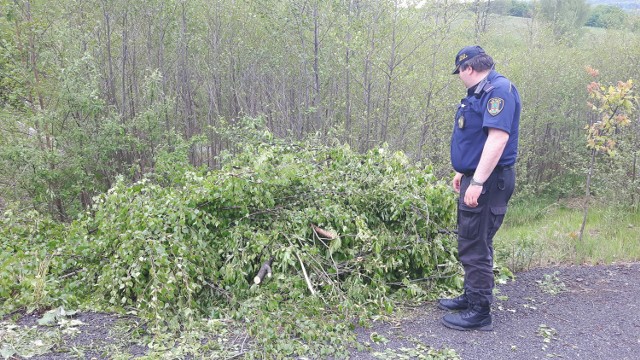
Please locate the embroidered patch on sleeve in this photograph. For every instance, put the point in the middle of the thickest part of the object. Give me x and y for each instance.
(495, 106)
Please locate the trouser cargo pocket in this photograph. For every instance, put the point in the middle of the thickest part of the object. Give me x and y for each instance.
(497, 216)
(469, 221)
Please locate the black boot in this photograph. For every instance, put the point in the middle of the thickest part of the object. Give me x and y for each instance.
(459, 303)
(476, 317)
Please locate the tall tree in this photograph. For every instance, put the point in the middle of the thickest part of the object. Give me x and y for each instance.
(565, 16)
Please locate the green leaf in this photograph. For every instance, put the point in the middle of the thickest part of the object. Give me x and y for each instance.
(49, 318)
(7, 352)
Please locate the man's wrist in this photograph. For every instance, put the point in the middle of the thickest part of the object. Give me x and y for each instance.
(474, 182)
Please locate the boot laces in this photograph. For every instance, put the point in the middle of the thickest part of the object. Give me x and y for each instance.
(468, 314)
(461, 298)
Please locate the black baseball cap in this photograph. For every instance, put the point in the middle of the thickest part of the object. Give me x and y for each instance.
(465, 55)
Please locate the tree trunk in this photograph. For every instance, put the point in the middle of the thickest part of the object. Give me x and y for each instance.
(347, 78)
(123, 69)
(481, 10)
(633, 178)
(391, 65)
(319, 123)
(110, 83)
(587, 195)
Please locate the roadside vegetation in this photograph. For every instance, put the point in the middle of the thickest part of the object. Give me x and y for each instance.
(543, 232)
(156, 156)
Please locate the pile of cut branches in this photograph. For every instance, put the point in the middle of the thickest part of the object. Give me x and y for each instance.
(326, 222)
(289, 230)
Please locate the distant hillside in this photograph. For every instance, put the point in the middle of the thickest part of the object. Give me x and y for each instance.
(625, 4)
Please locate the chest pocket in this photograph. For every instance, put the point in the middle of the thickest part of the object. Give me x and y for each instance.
(469, 116)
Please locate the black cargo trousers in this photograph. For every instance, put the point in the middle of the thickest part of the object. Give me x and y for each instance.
(476, 228)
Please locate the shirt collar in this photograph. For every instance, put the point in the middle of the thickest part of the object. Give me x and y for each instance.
(490, 76)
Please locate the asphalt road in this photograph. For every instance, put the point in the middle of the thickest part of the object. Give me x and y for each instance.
(577, 312)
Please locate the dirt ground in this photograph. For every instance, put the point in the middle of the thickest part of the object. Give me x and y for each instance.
(576, 312)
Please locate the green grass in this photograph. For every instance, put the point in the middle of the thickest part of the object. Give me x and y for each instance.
(538, 233)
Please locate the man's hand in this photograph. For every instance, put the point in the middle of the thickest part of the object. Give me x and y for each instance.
(472, 195)
(456, 182)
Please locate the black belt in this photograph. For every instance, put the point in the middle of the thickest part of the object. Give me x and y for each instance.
(498, 168)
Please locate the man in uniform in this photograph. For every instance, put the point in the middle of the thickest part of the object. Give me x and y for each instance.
(484, 147)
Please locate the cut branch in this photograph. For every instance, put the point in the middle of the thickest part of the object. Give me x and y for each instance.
(306, 277)
(264, 270)
(71, 273)
(429, 278)
(321, 233)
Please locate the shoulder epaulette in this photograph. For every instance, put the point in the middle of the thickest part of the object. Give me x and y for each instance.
(484, 86)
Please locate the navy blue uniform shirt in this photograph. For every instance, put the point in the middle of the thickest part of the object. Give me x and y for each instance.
(492, 103)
